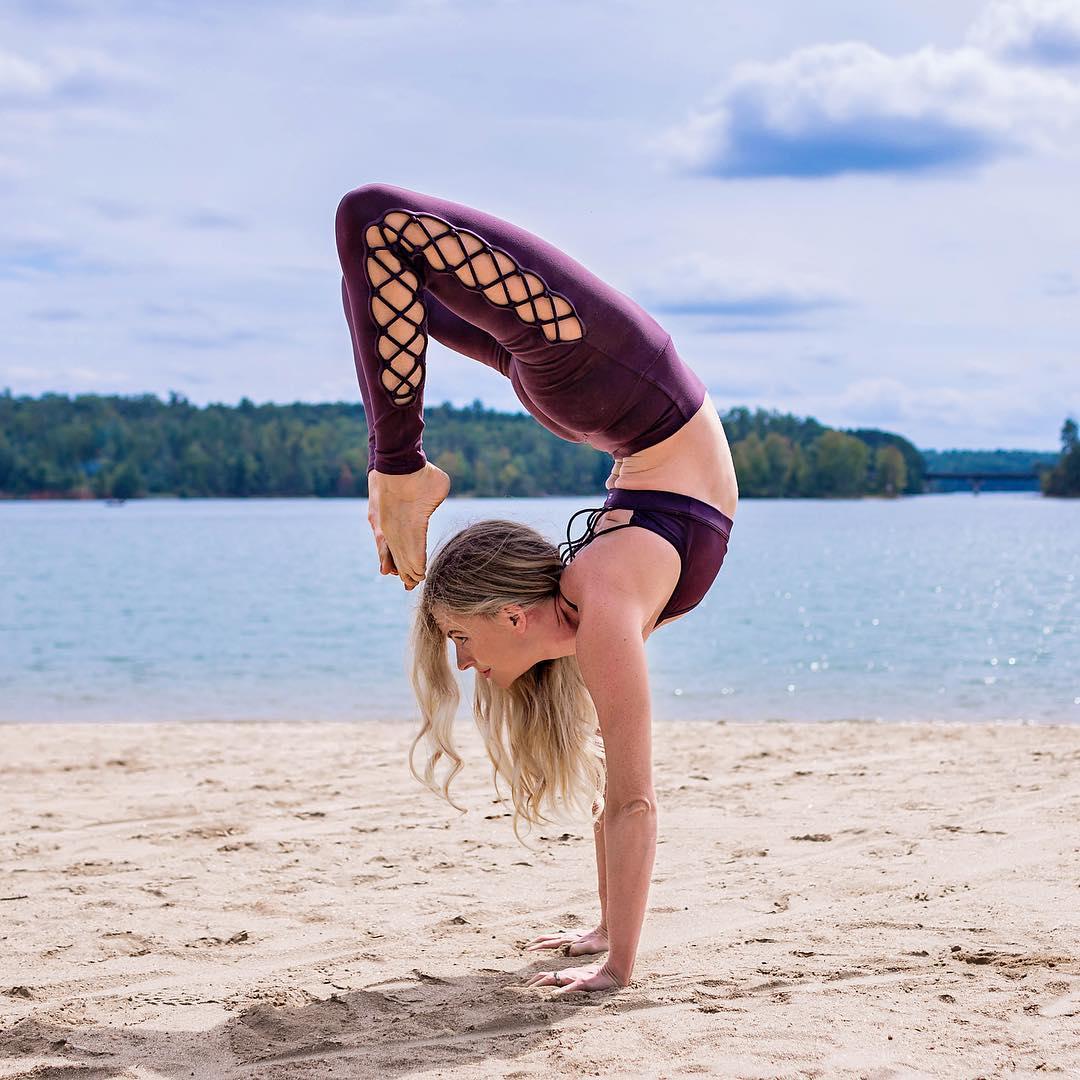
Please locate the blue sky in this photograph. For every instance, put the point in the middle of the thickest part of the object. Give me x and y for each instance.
(859, 212)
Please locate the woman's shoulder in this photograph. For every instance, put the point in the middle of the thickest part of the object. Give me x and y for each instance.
(633, 568)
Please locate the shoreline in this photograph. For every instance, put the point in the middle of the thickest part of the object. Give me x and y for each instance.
(266, 898)
(47, 496)
(411, 725)
(156, 725)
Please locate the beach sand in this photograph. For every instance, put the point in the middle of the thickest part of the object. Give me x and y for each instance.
(284, 900)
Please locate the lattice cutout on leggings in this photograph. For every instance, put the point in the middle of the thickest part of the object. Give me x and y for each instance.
(395, 299)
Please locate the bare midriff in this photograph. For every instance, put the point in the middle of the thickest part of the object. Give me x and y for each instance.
(695, 461)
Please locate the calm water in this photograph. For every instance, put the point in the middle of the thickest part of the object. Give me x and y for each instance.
(936, 607)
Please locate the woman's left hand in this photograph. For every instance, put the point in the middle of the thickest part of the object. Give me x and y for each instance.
(569, 980)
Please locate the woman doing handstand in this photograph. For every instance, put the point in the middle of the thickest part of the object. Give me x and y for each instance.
(556, 637)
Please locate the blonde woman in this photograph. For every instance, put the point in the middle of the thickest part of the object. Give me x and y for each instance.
(556, 635)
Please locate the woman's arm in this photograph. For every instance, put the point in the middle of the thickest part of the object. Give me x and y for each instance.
(611, 655)
(592, 941)
(601, 870)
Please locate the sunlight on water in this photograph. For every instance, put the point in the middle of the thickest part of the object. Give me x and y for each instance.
(937, 607)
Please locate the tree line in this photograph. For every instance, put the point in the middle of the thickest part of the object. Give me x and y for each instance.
(99, 446)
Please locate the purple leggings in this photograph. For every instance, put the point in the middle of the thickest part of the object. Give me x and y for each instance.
(589, 363)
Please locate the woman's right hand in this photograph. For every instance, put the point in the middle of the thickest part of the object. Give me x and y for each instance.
(386, 560)
(595, 941)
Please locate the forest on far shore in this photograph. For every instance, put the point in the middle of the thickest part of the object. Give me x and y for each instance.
(108, 446)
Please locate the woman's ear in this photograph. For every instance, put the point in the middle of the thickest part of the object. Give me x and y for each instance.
(516, 614)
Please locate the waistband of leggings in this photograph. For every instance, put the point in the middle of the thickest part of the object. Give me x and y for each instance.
(651, 499)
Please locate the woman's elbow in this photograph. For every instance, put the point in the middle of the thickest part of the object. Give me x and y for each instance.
(638, 806)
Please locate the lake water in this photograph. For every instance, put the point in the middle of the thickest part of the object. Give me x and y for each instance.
(936, 607)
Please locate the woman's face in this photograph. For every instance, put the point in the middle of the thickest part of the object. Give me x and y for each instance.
(496, 647)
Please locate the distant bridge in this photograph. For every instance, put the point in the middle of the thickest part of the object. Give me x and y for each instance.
(976, 478)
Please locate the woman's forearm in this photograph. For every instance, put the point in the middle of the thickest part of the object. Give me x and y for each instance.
(630, 849)
(601, 869)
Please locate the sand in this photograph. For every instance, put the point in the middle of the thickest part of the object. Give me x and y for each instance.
(284, 900)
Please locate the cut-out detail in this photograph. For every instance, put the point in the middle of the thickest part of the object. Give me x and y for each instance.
(569, 548)
(399, 313)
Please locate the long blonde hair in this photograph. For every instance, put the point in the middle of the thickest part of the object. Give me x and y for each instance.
(541, 732)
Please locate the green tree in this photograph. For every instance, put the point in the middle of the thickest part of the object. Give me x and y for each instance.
(346, 482)
(914, 463)
(801, 482)
(195, 471)
(240, 474)
(456, 466)
(751, 465)
(125, 482)
(839, 462)
(1068, 436)
(7, 463)
(779, 454)
(890, 470)
(1064, 477)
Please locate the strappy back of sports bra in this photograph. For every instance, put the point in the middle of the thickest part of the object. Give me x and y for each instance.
(572, 547)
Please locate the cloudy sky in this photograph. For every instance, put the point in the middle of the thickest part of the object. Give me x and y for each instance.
(858, 212)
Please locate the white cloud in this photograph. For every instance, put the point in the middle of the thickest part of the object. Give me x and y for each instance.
(93, 377)
(847, 107)
(24, 371)
(993, 406)
(64, 76)
(1030, 31)
(700, 284)
(20, 80)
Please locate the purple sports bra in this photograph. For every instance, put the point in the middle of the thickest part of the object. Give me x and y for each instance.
(698, 531)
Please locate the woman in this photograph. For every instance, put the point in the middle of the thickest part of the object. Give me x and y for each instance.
(558, 642)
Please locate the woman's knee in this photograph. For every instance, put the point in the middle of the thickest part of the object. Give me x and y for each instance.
(361, 206)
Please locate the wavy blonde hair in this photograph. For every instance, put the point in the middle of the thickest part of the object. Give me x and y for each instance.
(541, 732)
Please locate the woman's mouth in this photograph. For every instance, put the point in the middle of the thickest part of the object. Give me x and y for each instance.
(486, 673)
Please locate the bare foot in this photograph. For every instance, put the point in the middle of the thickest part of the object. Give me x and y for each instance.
(594, 941)
(399, 507)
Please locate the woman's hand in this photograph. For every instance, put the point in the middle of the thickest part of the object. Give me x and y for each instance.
(595, 941)
(399, 507)
(572, 980)
(386, 560)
